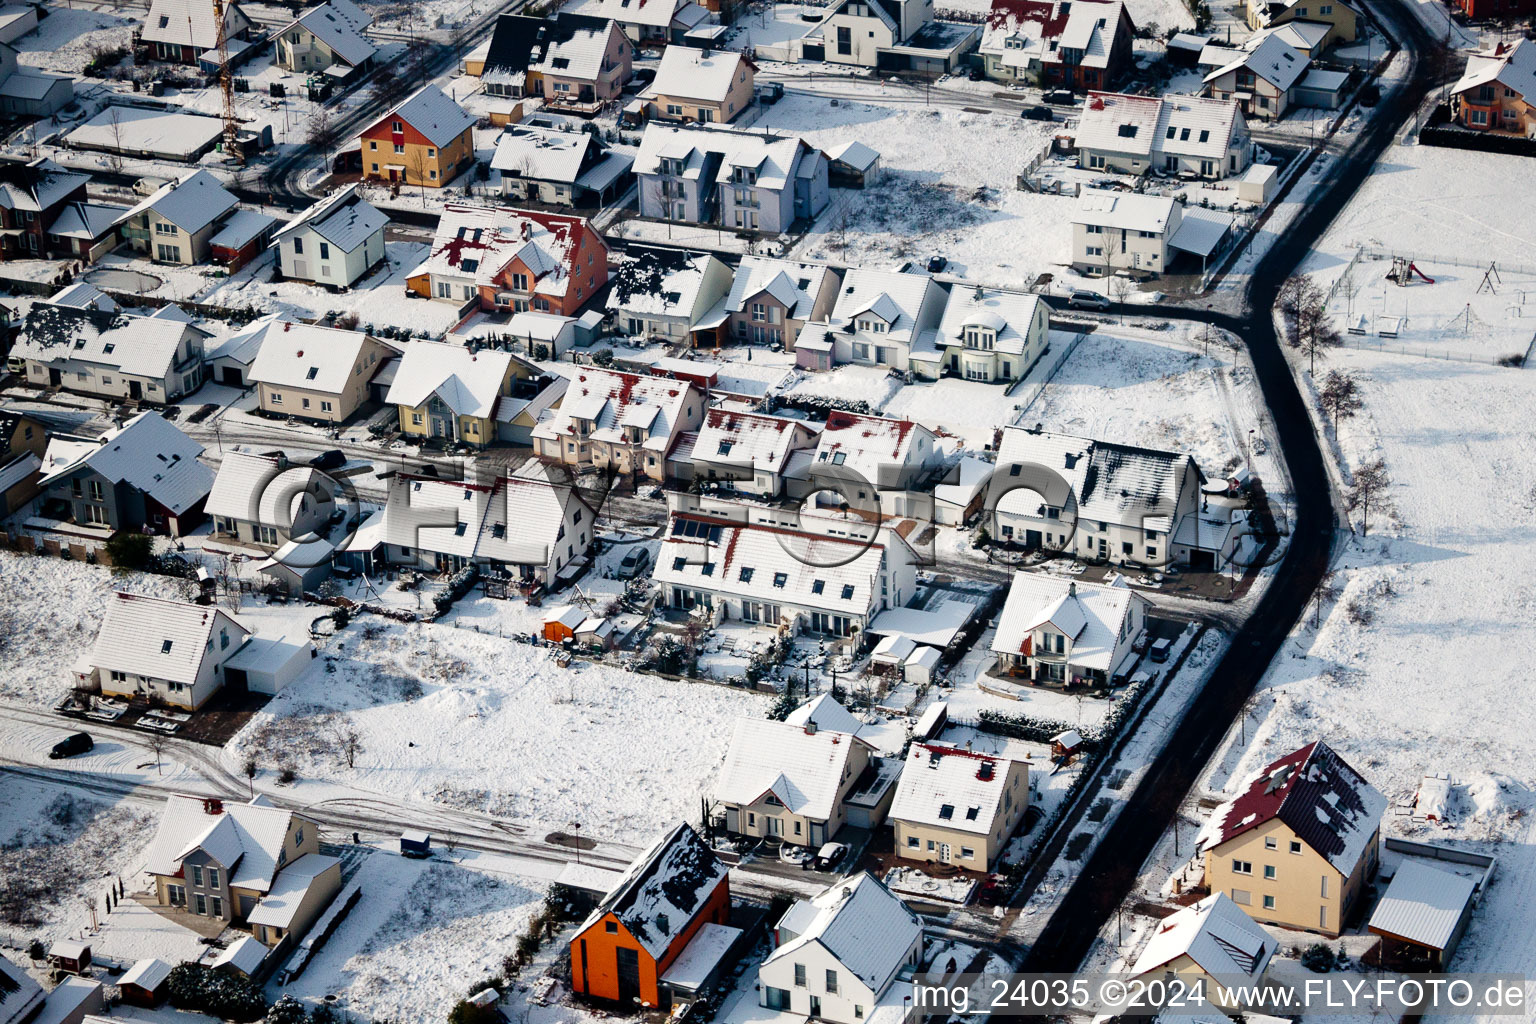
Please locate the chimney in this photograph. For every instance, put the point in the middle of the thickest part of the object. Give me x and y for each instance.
(810, 727)
(213, 805)
(1072, 588)
(287, 326)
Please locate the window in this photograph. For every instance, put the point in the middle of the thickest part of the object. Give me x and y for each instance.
(373, 146)
(213, 878)
(912, 842)
(399, 148)
(847, 591)
(1241, 897)
(396, 126)
(298, 246)
(966, 853)
(177, 894)
(1322, 917)
(745, 575)
(799, 975)
(858, 1011)
(298, 836)
(197, 874)
(1269, 903)
(325, 251)
(613, 927)
(778, 998)
(1269, 871)
(780, 579)
(1324, 891)
(831, 975)
(678, 563)
(200, 904)
(1295, 846)
(1270, 842)
(1242, 867)
(165, 648)
(218, 906)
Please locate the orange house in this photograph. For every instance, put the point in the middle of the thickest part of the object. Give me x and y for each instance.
(640, 928)
(427, 140)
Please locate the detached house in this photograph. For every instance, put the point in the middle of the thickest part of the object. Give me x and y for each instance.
(559, 167)
(749, 181)
(450, 392)
(252, 865)
(573, 62)
(675, 891)
(185, 31)
(1297, 847)
(652, 23)
(170, 652)
(623, 421)
(1141, 234)
(770, 301)
(957, 807)
(315, 373)
(877, 319)
(23, 442)
(263, 500)
(33, 197)
(789, 782)
(1073, 44)
(145, 475)
(1187, 135)
(335, 242)
(1112, 502)
(26, 91)
(984, 335)
(111, 355)
(666, 293)
(700, 85)
(1057, 632)
(862, 32)
(842, 954)
(330, 39)
(512, 261)
(1497, 92)
(1212, 943)
(425, 141)
(189, 220)
(1262, 80)
(748, 452)
(875, 462)
(1340, 19)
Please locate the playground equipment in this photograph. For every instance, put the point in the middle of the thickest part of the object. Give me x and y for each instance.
(1402, 271)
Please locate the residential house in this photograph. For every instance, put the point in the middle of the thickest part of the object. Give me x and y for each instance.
(184, 31)
(652, 23)
(957, 807)
(620, 421)
(334, 242)
(1308, 38)
(674, 890)
(315, 373)
(700, 85)
(878, 317)
(1061, 632)
(145, 475)
(454, 393)
(1297, 846)
(748, 452)
(862, 32)
(426, 141)
(770, 301)
(26, 91)
(665, 293)
(528, 525)
(559, 166)
(512, 261)
(838, 955)
(875, 462)
(109, 354)
(1210, 946)
(1341, 19)
(177, 223)
(21, 997)
(329, 39)
(253, 865)
(1110, 502)
(1140, 234)
(1185, 135)
(789, 782)
(796, 572)
(573, 62)
(984, 335)
(1262, 80)
(23, 442)
(1497, 92)
(85, 231)
(33, 196)
(167, 652)
(264, 500)
(745, 180)
(1078, 45)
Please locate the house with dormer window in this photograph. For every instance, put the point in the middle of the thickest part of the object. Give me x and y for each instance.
(1262, 80)
(1195, 135)
(877, 318)
(459, 395)
(623, 421)
(1074, 44)
(1497, 92)
(769, 302)
(1058, 632)
(957, 807)
(166, 652)
(316, 373)
(185, 31)
(1211, 946)
(109, 354)
(985, 335)
(751, 181)
(662, 294)
(331, 38)
(747, 452)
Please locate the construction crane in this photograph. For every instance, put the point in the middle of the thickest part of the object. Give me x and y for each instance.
(227, 87)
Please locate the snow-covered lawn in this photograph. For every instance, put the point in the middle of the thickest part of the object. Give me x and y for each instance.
(64, 41)
(968, 409)
(872, 384)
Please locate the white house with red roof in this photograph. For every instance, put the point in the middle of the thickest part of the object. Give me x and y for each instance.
(512, 261)
(746, 452)
(1297, 846)
(1081, 45)
(624, 421)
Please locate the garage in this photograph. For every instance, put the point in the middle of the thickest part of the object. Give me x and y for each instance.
(266, 665)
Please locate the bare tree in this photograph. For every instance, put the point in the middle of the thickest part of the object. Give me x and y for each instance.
(115, 158)
(1340, 395)
(1327, 590)
(157, 746)
(657, 191)
(1310, 329)
(1370, 487)
(351, 744)
(416, 163)
(322, 134)
(1120, 289)
(250, 768)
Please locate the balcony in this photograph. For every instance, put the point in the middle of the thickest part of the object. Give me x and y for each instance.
(142, 234)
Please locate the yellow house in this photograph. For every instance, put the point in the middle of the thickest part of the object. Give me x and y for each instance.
(428, 140)
(957, 807)
(1298, 846)
(1212, 944)
(708, 86)
(451, 392)
(315, 373)
(1342, 18)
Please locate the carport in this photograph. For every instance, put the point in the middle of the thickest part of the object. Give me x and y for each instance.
(1201, 233)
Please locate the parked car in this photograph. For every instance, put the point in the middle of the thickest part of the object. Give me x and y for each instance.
(770, 92)
(829, 856)
(1038, 114)
(976, 73)
(644, 76)
(69, 746)
(634, 563)
(1060, 97)
(1080, 299)
(936, 264)
(1161, 649)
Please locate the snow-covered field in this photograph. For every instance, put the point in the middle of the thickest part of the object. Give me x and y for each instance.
(64, 41)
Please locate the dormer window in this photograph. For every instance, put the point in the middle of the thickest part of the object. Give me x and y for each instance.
(980, 337)
(870, 325)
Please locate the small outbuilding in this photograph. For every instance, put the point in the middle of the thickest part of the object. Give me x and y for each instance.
(71, 1001)
(921, 666)
(267, 664)
(70, 955)
(1257, 184)
(243, 957)
(1422, 917)
(1065, 746)
(415, 843)
(560, 624)
(852, 165)
(144, 983)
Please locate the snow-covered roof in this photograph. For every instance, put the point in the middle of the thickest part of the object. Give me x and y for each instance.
(147, 453)
(613, 400)
(1094, 616)
(826, 714)
(1021, 31)
(245, 955)
(794, 285)
(711, 151)
(308, 356)
(664, 282)
(1112, 483)
(159, 638)
(269, 654)
(1513, 67)
(1124, 210)
(1423, 905)
(701, 956)
(654, 13)
(855, 154)
(1200, 230)
(338, 24)
(137, 345)
(573, 47)
(84, 295)
(697, 74)
(148, 974)
(866, 928)
(283, 900)
(514, 520)
(36, 185)
(1273, 60)
(86, 221)
(901, 300)
(479, 242)
(241, 229)
(525, 516)
(1008, 314)
(249, 486)
(20, 996)
(962, 481)
(853, 444)
(1303, 36)
(804, 769)
(1321, 799)
(250, 838)
(1217, 935)
(544, 153)
(946, 787)
(467, 382)
(430, 111)
(760, 441)
(343, 218)
(190, 23)
(172, 133)
(1196, 126)
(663, 889)
(192, 202)
(935, 627)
